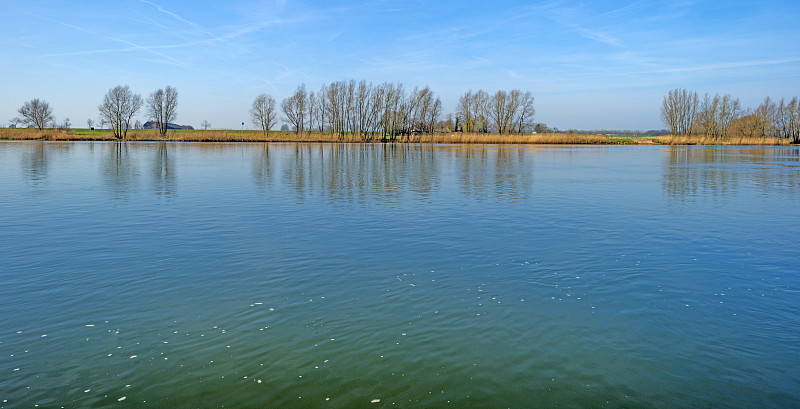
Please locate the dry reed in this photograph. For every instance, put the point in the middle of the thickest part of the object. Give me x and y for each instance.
(437, 138)
(282, 136)
(476, 138)
(732, 141)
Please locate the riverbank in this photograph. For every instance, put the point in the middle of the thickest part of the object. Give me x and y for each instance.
(731, 141)
(437, 138)
(282, 136)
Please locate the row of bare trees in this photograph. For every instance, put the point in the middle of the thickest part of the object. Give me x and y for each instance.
(503, 112)
(780, 119)
(720, 117)
(388, 110)
(121, 104)
(360, 108)
(118, 109)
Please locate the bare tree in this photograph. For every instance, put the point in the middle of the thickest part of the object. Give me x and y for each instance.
(205, 124)
(765, 114)
(332, 96)
(503, 110)
(716, 114)
(793, 110)
(423, 110)
(432, 117)
(678, 111)
(119, 106)
(263, 114)
(36, 113)
(526, 113)
(465, 113)
(322, 108)
(394, 101)
(365, 108)
(786, 119)
(162, 106)
(311, 110)
(480, 108)
(295, 110)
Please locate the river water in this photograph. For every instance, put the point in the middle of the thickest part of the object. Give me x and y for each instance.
(346, 276)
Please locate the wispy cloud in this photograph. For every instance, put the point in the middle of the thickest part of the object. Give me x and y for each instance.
(722, 66)
(588, 25)
(177, 17)
(597, 35)
(131, 46)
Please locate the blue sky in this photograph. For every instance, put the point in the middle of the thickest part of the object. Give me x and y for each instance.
(590, 65)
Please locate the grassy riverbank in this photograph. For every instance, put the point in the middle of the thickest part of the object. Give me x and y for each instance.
(437, 138)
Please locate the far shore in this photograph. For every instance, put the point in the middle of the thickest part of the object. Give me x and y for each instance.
(152, 135)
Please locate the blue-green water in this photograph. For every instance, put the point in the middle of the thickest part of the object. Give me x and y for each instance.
(314, 275)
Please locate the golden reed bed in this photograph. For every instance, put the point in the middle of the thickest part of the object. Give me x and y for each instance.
(437, 138)
(733, 141)
(280, 136)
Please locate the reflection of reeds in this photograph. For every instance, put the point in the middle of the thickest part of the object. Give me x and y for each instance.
(556, 138)
(705, 140)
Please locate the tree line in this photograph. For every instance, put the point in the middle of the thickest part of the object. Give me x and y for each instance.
(386, 111)
(349, 107)
(389, 110)
(118, 109)
(121, 104)
(721, 117)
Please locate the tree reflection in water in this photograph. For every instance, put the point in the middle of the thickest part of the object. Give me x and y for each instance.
(358, 173)
(163, 172)
(692, 173)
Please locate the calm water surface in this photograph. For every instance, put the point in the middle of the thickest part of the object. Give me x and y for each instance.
(346, 276)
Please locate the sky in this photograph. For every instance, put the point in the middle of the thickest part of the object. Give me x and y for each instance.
(590, 65)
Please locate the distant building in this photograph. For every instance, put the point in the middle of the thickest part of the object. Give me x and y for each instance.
(154, 125)
(540, 128)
